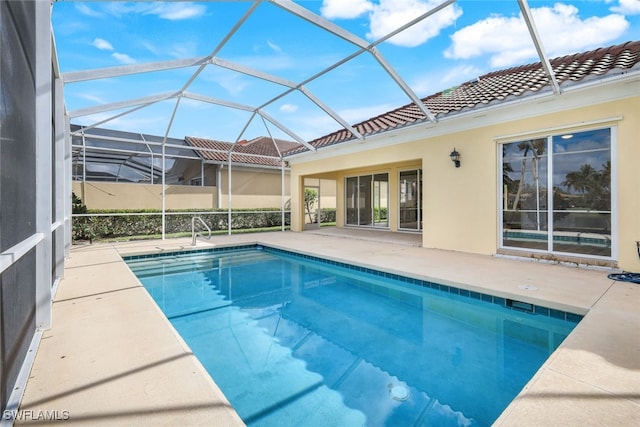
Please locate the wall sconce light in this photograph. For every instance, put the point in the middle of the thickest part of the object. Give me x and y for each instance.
(455, 157)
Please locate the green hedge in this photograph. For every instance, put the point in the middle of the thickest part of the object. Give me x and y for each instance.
(327, 215)
(115, 225)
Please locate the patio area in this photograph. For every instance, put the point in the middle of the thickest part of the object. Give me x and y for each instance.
(112, 358)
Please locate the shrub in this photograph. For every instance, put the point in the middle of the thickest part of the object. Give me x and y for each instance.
(327, 215)
(77, 207)
(124, 223)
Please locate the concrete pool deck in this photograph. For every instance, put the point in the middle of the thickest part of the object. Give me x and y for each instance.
(112, 358)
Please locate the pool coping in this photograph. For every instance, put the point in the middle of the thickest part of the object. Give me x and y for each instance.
(507, 303)
(593, 378)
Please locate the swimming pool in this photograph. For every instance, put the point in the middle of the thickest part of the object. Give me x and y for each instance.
(295, 340)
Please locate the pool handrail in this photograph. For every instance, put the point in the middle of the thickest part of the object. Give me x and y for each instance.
(194, 233)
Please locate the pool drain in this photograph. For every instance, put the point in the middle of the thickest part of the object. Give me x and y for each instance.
(398, 392)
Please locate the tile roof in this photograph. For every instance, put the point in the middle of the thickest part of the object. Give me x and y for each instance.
(246, 152)
(496, 87)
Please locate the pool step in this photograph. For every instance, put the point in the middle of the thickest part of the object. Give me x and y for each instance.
(196, 260)
(147, 267)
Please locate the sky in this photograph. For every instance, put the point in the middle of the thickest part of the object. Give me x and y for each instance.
(457, 44)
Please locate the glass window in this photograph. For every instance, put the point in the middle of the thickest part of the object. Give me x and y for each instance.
(365, 202)
(575, 217)
(351, 204)
(582, 192)
(380, 202)
(410, 195)
(524, 186)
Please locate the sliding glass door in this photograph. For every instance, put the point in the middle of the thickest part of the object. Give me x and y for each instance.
(367, 200)
(556, 193)
(351, 203)
(410, 203)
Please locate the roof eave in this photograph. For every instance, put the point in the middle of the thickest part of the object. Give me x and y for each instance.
(627, 76)
(247, 165)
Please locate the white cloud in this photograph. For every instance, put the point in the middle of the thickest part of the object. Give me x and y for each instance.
(97, 99)
(179, 49)
(345, 9)
(289, 108)
(177, 11)
(168, 11)
(627, 7)
(87, 11)
(232, 82)
(459, 74)
(274, 46)
(102, 44)
(507, 40)
(123, 58)
(389, 15)
(434, 81)
(146, 44)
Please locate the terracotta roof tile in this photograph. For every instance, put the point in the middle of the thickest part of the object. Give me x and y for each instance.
(246, 152)
(494, 87)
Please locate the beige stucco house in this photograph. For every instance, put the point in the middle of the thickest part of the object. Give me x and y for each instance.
(199, 174)
(548, 165)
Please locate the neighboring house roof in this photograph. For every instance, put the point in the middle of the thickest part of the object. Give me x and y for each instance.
(122, 156)
(496, 87)
(130, 141)
(244, 151)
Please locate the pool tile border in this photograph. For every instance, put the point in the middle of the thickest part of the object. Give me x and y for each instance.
(191, 251)
(502, 302)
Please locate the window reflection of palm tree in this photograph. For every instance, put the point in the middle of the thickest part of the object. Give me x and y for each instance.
(582, 179)
(593, 186)
(536, 148)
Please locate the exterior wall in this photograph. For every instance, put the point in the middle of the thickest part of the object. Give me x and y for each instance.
(193, 169)
(254, 188)
(628, 177)
(251, 188)
(115, 195)
(460, 206)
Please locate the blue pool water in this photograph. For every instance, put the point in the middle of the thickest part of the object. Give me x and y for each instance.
(296, 341)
